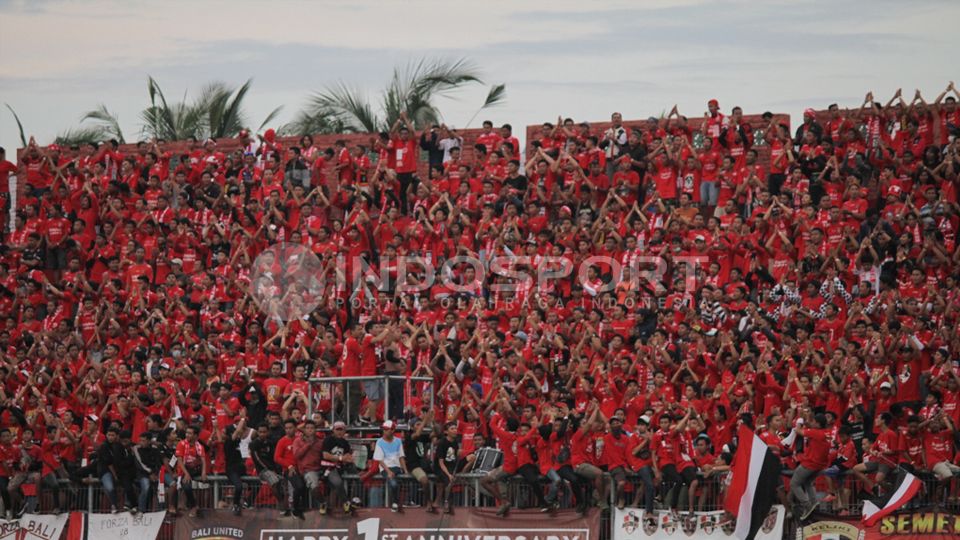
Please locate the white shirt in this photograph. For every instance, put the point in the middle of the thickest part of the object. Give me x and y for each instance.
(388, 453)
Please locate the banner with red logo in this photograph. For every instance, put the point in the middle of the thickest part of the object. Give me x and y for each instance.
(900, 526)
(382, 524)
(33, 527)
(636, 524)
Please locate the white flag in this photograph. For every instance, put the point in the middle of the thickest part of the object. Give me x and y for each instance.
(42, 526)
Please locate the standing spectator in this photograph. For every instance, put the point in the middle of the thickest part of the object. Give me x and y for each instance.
(235, 464)
(814, 458)
(403, 147)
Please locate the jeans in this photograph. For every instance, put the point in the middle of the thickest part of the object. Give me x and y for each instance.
(554, 488)
(110, 485)
(4, 482)
(646, 477)
(143, 494)
(581, 487)
(801, 487)
(338, 492)
(395, 395)
(392, 485)
(531, 475)
(709, 193)
(50, 482)
(407, 181)
(299, 490)
(236, 480)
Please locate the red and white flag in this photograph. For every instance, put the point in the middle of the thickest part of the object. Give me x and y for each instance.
(907, 486)
(756, 475)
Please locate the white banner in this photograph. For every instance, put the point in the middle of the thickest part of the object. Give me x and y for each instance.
(635, 524)
(124, 526)
(33, 527)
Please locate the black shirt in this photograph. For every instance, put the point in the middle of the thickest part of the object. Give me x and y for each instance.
(518, 183)
(449, 453)
(337, 446)
(415, 449)
(262, 452)
(231, 454)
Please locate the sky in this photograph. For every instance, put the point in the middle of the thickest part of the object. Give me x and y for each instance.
(581, 59)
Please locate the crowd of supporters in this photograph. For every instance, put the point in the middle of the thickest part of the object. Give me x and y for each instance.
(815, 299)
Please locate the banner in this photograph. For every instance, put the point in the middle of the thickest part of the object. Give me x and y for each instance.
(901, 526)
(33, 527)
(382, 524)
(123, 526)
(634, 523)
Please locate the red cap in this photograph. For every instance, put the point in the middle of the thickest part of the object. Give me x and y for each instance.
(270, 135)
(713, 102)
(809, 112)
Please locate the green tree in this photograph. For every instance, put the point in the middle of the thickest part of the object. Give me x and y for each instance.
(414, 89)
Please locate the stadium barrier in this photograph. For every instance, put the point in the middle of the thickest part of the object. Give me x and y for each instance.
(937, 501)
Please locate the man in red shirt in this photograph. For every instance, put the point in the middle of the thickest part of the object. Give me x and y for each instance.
(370, 352)
(350, 367)
(815, 458)
(505, 431)
(191, 463)
(616, 445)
(883, 453)
(583, 456)
(403, 145)
(308, 455)
(283, 453)
(939, 449)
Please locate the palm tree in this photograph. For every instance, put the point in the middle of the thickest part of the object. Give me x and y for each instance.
(108, 121)
(23, 138)
(217, 112)
(413, 89)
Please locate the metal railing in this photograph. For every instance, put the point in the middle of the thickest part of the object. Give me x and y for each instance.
(467, 492)
(346, 393)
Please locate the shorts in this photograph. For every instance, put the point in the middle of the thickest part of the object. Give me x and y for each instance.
(270, 477)
(619, 474)
(588, 471)
(312, 479)
(457, 467)
(835, 471)
(373, 390)
(498, 475)
(418, 474)
(945, 470)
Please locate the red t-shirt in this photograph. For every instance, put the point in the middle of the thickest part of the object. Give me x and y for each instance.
(350, 362)
(191, 455)
(938, 446)
(816, 453)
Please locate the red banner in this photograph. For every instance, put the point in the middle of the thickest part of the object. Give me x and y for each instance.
(902, 526)
(382, 524)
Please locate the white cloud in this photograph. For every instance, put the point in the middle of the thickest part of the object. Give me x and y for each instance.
(580, 59)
